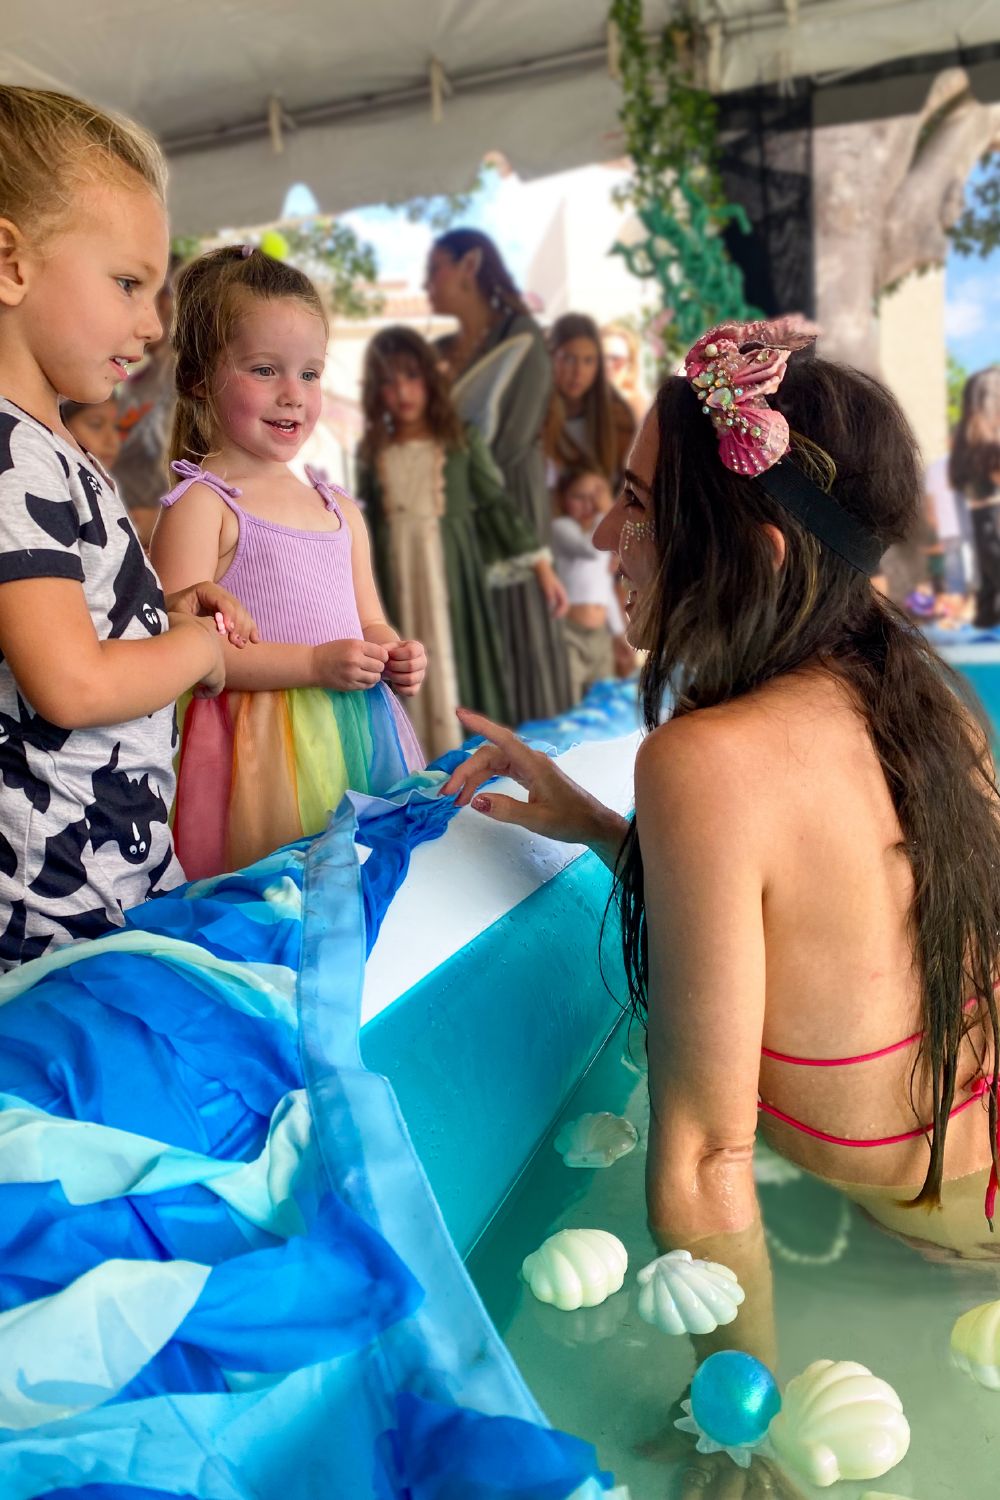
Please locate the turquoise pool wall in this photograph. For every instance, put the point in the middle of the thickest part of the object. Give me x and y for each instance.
(985, 682)
(483, 1052)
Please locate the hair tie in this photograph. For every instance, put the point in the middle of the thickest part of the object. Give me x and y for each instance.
(246, 251)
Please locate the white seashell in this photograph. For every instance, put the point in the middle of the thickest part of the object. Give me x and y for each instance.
(596, 1140)
(576, 1268)
(975, 1344)
(839, 1421)
(678, 1294)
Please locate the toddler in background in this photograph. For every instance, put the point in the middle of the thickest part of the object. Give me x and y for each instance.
(95, 428)
(594, 626)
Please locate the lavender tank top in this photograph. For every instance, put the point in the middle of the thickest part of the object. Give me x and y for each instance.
(297, 585)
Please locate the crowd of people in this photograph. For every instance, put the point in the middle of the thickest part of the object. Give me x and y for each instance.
(487, 459)
(812, 872)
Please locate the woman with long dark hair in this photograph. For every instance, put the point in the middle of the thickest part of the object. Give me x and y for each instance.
(588, 422)
(501, 381)
(810, 888)
(974, 473)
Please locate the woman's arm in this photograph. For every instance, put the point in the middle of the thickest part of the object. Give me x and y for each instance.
(701, 832)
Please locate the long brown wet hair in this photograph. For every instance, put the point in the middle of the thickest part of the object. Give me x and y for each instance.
(722, 621)
(211, 294)
(396, 346)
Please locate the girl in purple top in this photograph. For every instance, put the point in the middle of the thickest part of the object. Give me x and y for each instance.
(313, 709)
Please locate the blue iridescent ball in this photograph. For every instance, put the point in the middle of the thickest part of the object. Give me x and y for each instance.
(733, 1398)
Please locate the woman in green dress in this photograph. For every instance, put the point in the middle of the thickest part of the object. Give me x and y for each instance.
(440, 519)
(502, 382)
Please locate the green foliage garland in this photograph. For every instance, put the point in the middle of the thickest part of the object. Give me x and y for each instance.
(675, 189)
(342, 266)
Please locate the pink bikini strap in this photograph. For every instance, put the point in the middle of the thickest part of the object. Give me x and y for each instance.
(840, 1062)
(846, 1062)
(981, 1087)
(194, 474)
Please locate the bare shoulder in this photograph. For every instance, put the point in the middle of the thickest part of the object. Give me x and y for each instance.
(198, 499)
(712, 747)
(723, 768)
(350, 510)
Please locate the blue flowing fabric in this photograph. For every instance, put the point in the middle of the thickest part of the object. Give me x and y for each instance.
(222, 1272)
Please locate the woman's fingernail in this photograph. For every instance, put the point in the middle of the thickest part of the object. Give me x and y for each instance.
(482, 804)
(220, 622)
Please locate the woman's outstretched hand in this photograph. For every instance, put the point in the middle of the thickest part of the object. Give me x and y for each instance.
(556, 806)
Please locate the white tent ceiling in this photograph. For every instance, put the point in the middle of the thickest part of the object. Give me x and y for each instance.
(250, 96)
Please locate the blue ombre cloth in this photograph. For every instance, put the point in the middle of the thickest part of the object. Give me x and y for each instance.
(222, 1272)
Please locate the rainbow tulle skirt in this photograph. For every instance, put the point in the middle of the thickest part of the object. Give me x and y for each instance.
(260, 770)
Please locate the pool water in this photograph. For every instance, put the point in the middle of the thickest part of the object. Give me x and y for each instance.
(842, 1290)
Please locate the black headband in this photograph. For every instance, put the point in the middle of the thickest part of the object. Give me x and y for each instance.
(820, 514)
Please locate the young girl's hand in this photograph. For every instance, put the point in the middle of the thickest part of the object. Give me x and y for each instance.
(209, 599)
(349, 666)
(406, 667)
(552, 588)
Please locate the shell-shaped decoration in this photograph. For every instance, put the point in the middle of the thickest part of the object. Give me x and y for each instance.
(576, 1268)
(596, 1140)
(975, 1344)
(839, 1421)
(678, 1294)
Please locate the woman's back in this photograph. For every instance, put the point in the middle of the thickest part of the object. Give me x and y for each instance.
(841, 980)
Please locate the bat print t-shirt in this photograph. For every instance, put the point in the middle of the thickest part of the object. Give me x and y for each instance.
(83, 812)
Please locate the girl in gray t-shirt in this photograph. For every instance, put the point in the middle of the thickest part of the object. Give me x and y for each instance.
(89, 670)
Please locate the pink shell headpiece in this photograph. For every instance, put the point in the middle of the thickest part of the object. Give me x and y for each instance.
(732, 369)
